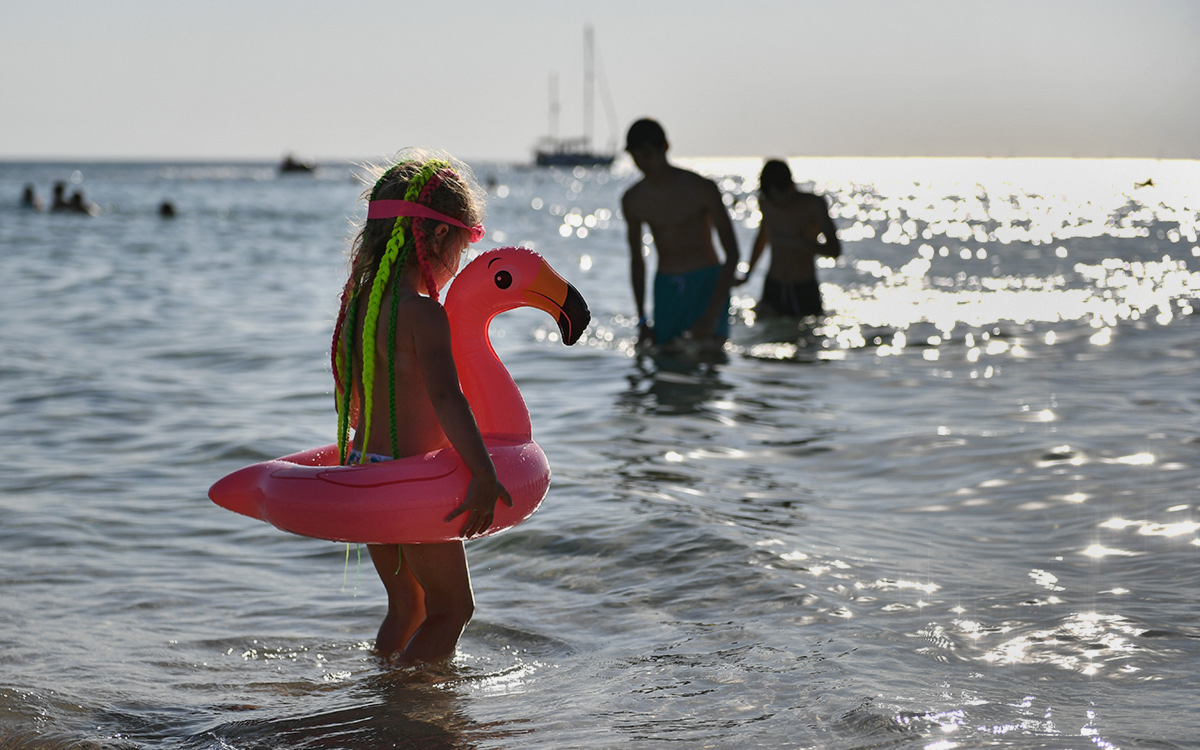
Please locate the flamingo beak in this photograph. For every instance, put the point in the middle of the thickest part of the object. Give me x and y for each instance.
(555, 295)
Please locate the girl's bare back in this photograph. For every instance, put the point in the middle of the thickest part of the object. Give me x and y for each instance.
(417, 428)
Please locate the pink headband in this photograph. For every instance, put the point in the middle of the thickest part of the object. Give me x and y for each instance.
(394, 208)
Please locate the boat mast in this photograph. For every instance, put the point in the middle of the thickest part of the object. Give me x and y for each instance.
(588, 85)
(554, 106)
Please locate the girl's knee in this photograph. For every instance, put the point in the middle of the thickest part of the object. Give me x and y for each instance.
(458, 605)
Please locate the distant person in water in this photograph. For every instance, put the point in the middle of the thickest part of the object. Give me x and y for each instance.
(166, 210)
(60, 202)
(30, 199)
(78, 204)
(681, 208)
(798, 228)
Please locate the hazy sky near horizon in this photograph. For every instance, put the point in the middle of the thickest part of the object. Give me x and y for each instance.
(360, 79)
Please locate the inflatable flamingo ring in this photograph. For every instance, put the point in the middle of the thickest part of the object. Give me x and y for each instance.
(406, 501)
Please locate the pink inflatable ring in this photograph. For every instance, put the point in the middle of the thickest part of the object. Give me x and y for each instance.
(406, 501)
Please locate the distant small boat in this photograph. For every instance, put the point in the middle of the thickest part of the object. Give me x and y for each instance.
(552, 151)
(292, 165)
(570, 152)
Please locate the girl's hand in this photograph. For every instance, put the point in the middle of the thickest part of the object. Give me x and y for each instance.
(480, 505)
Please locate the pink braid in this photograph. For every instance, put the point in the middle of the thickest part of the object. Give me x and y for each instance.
(423, 257)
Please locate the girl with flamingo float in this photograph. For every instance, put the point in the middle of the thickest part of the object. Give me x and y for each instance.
(445, 427)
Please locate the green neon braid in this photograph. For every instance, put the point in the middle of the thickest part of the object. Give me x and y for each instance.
(343, 415)
(392, 373)
(368, 364)
(395, 256)
(346, 366)
(382, 275)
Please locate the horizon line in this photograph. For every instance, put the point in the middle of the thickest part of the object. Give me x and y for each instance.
(266, 160)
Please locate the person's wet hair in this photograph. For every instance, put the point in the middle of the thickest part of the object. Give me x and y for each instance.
(776, 175)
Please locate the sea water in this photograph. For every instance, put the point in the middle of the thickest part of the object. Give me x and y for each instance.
(960, 511)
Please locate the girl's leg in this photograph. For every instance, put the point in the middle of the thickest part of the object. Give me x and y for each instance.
(406, 601)
(441, 572)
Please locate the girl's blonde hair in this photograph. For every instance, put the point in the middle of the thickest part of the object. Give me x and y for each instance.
(384, 248)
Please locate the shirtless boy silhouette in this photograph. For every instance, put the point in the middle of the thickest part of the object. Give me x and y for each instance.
(691, 283)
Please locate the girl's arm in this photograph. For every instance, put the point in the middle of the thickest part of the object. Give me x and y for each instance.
(637, 266)
(833, 247)
(431, 337)
(760, 244)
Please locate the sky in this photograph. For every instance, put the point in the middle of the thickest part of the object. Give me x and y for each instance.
(360, 79)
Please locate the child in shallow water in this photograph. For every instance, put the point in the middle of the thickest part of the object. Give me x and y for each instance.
(422, 214)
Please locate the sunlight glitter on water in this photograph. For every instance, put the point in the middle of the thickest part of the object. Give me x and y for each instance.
(1119, 292)
(1153, 528)
(1083, 642)
(968, 224)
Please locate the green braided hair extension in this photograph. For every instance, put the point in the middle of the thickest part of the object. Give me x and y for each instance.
(392, 374)
(342, 354)
(382, 275)
(419, 240)
(398, 248)
(418, 188)
(344, 364)
(383, 178)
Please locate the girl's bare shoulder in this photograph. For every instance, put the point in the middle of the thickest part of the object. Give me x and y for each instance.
(422, 312)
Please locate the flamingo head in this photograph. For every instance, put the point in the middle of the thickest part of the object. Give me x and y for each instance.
(510, 277)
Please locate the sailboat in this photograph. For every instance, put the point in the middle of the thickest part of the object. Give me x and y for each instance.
(552, 151)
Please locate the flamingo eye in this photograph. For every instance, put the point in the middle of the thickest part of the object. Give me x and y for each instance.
(503, 279)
